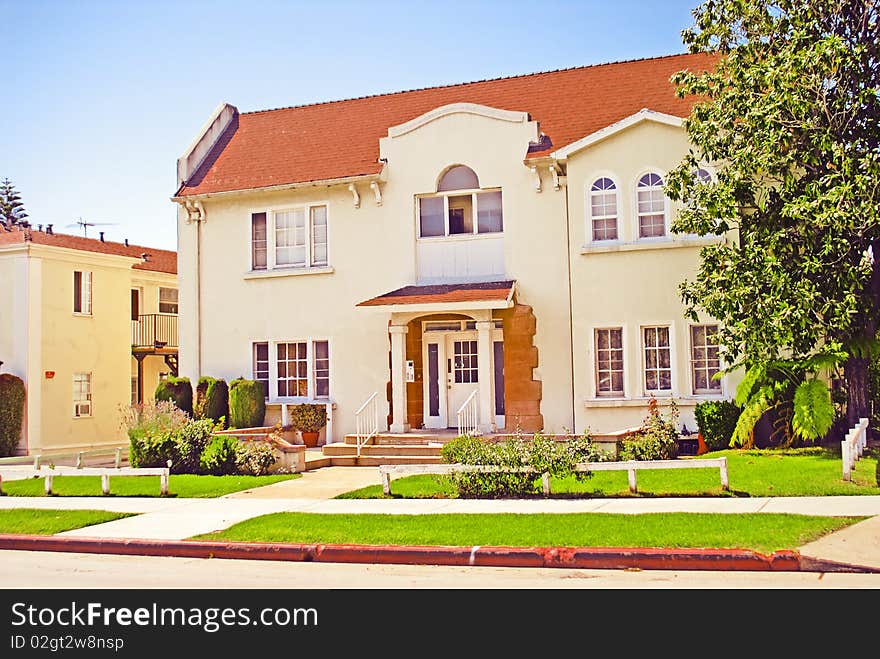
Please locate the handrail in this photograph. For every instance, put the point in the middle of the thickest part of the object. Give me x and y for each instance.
(467, 415)
(154, 330)
(852, 448)
(367, 421)
(38, 458)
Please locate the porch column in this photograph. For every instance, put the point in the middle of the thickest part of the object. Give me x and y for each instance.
(484, 375)
(398, 378)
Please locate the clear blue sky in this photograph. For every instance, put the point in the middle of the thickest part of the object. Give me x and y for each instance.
(101, 96)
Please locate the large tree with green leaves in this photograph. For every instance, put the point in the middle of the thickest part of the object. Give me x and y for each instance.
(790, 118)
(11, 206)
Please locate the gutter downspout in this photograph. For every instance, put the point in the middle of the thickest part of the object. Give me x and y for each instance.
(196, 213)
(570, 312)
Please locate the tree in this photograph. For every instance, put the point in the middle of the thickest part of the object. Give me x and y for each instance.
(11, 208)
(790, 117)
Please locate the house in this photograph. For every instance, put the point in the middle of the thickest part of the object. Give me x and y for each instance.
(496, 253)
(90, 325)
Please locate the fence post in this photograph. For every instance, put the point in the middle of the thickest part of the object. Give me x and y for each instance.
(79, 460)
(631, 476)
(386, 482)
(105, 483)
(725, 482)
(47, 483)
(118, 458)
(37, 462)
(844, 453)
(545, 482)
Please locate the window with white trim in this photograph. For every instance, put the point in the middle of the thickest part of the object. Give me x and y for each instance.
(651, 203)
(295, 237)
(705, 359)
(134, 389)
(82, 292)
(658, 359)
(167, 300)
(302, 369)
(603, 209)
(261, 364)
(82, 394)
(609, 361)
(703, 176)
(460, 207)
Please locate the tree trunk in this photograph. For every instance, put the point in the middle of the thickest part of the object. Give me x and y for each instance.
(855, 371)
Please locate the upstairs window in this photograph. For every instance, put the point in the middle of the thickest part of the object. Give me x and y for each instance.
(609, 361)
(168, 300)
(603, 209)
(290, 238)
(651, 206)
(82, 292)
(460, 207)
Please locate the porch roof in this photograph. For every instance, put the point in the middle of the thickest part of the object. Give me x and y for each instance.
(446, 297)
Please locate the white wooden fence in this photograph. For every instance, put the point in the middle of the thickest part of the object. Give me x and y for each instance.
(853, 447)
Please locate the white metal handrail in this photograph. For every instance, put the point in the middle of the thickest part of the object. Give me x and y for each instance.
(853, 446)
(367, 421)
(467, 415)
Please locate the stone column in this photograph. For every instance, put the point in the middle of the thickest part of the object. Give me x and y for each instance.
(398, 378)
(485, 375)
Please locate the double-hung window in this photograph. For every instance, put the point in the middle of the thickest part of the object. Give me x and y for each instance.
(705, 359)
(294, 237)
(82, 394)
(609, 361)
(82, 292)
(293, 369)
(658, 359)
(460, 207)
(167, 300)
(603, 209)
(651, 203)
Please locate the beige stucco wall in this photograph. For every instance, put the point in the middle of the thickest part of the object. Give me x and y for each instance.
(372, 251)
(16, 306)
(148, 283)
(631, 284)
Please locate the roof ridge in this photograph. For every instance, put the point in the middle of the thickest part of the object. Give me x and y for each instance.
(469, 82)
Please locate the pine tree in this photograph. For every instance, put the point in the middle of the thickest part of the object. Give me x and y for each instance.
(11, 208)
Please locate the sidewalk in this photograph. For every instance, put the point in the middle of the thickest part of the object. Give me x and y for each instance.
(171, 520)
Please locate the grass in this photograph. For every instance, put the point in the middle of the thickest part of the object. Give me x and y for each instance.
(179, 485)
(764, 532)
(813, 471)
(31, 521)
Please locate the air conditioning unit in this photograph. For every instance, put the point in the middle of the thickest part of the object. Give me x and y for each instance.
(83, 408)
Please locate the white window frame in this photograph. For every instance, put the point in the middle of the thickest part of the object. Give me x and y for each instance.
(588, 204)
(82, 407)
(85, 293)
(594, 351)
(268, 345)
(270, 238)
(644, 360)
(474, 234)
(311, 396)
(177, 303)
(708, 393)
(637, 225)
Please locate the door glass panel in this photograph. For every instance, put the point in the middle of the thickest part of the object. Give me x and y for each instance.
(465, 362)
(433, 383)
(499, 377)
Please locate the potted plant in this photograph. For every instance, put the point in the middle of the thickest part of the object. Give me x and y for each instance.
(308, 418)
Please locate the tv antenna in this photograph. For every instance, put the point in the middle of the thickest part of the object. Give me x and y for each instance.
(85, 225)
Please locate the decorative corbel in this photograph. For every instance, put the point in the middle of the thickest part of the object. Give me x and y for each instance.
(537, 175)
(554, 172)
(378, 193)
(195, 212)
(354, 194)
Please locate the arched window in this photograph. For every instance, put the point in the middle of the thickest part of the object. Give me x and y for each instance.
(603, 209)
(651, 206)
(703, 176)
(458, 178)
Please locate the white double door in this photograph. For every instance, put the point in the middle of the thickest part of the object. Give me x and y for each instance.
(451, 374)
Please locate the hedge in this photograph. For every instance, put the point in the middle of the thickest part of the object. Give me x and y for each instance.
(11, 412)
(212, 400)
(247, 403)
(178, 391)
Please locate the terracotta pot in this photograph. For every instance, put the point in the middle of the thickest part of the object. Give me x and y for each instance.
(310, 439)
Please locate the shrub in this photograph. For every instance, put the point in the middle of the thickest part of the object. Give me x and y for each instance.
(655, 440)
(255, 458)
(151, 429)
(11, 412)
(247, 403)
(716, 420)
(308, 417)
(190, 441)
(177, 390)
(212, 400)
(220, 456)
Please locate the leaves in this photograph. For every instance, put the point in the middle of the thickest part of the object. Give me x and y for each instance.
(813, 410)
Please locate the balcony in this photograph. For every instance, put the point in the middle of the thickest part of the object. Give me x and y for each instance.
(154, 332)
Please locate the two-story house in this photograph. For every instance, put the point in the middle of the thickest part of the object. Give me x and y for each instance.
(495, 253)
(90, 326)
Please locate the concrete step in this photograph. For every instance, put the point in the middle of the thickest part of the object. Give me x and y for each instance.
(410, 439)
(342, 449)
(377, 460)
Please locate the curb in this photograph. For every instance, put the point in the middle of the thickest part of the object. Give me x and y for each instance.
(596, 558)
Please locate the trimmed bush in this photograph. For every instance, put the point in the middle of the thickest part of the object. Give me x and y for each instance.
(716, 420)
(178, 391)
(255, 458)
(212, 400)
(247, 403)
(190, 441)
(220, 456)
(11, 412)
(655, 440)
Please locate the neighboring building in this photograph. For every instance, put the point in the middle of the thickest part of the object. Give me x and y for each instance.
(90, 325)
(506, 237)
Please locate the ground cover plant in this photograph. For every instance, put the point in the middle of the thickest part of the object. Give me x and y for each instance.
(765, 532)
(29, 521)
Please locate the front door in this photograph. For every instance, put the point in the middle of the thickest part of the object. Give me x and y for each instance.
(461, 372)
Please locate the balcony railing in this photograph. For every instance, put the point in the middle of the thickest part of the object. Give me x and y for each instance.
(154, 330)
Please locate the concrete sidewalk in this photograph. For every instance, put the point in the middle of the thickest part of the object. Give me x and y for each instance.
(175, 519)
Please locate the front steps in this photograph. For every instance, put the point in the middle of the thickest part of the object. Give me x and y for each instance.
(417, 447)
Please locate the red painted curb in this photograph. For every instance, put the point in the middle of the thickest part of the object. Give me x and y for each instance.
(597, 558)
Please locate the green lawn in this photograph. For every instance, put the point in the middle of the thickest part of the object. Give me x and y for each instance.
(31, 521)
(179, 485)
(764, 532)
(754, 473)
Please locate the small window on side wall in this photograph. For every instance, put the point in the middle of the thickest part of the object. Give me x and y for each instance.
(82, 292)
(259, 242)
(603, 209)
(651, 206)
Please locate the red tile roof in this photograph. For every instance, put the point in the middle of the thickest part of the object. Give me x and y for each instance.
(339, 139)
(472, 292)
(159, 260)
